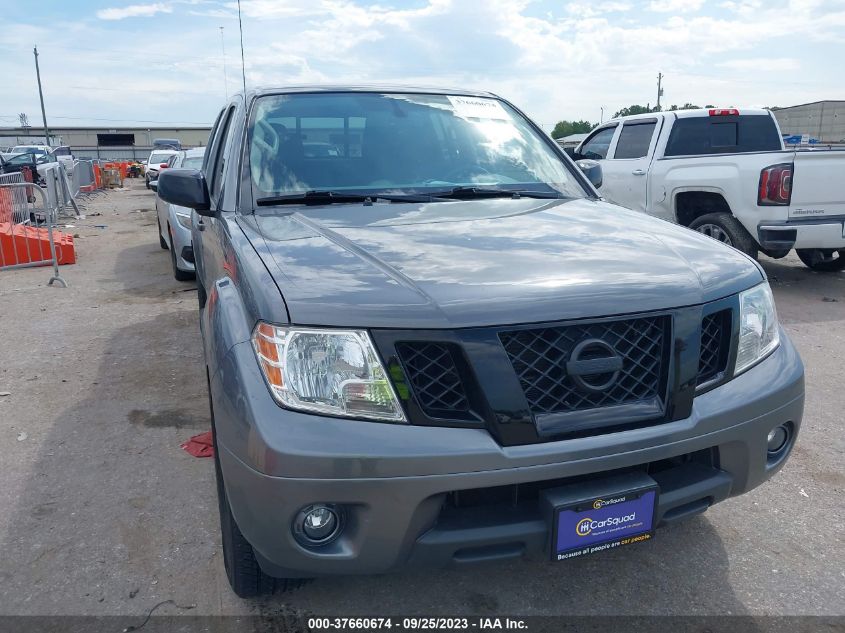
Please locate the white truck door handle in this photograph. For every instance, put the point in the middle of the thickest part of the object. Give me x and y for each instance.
(639, 172)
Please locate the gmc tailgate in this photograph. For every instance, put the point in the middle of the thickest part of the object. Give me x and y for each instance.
(818, 185)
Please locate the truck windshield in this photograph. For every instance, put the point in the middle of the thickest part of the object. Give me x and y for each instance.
(399, 144)
(156, 158)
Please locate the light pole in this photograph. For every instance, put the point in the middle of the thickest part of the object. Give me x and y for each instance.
(601, 118)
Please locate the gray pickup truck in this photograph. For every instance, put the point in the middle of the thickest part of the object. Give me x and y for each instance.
(429, 341)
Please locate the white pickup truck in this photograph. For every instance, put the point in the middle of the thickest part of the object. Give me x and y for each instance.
(45, 155)
(725, 173)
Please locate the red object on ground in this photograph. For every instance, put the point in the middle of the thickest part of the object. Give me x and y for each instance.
(200, 445)
(23, 244)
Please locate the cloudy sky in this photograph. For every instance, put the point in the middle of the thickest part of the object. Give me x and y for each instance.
(103, 62)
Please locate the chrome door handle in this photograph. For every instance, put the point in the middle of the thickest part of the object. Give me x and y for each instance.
(639, 172)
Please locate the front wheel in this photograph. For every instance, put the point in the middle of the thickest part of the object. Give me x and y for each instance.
(242, 569)
(726, 228)
(161, 241)
(147, 182)
(822, 260)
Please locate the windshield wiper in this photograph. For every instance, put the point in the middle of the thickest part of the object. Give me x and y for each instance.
(469, 193)
(325, 196)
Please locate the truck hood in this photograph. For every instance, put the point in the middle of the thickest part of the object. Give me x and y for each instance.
(486, 262)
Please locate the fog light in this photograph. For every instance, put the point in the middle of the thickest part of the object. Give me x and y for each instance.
(777, 439)
(317, 525)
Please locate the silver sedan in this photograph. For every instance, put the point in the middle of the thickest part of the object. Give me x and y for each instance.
(174, 222)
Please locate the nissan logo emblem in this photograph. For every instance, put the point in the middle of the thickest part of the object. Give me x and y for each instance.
(591, 360)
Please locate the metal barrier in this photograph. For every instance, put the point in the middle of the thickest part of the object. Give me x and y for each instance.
(22, 226)
(19, 195)
(83, 177)
(59, 195)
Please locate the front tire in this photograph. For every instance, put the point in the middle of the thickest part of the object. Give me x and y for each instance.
(726, 229)
(147, 182)
(242, 569)
(822, 260)
(161, 241)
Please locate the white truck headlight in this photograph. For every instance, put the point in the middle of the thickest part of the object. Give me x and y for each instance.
(335, 372)
(758, 326)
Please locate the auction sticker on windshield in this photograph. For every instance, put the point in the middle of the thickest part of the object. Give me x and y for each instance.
(478, 108)
(604, 523)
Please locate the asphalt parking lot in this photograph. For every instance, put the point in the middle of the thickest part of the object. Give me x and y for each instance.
(103, 513)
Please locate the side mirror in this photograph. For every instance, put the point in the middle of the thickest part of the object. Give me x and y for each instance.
(592, 170)
(154, 185)
(185, 188)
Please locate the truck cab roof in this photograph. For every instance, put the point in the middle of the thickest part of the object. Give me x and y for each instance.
(690, 114)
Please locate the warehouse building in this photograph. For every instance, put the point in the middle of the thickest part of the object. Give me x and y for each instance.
(105, 142)
(822, 120)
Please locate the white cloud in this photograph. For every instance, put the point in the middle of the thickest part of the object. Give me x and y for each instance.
(564, 64)
(762, 64)
(675, 6)
(593, 9)
(134, 11)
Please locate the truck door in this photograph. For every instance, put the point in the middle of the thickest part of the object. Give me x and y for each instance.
(625, 171)
(596, 146)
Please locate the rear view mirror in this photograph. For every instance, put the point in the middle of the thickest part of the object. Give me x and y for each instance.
(592, 170)
(185, 188)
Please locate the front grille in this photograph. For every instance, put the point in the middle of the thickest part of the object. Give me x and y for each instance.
(431, 370)
(539, 357)
(715, 343)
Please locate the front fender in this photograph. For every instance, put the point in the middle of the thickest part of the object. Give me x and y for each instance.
(225, 322)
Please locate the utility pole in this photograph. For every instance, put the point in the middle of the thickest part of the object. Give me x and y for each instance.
(659, 90)
(225, 80)
(601, 118)
(41, 96)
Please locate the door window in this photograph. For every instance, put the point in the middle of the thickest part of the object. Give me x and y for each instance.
(596, 146)
(634, 140)
(218, 150)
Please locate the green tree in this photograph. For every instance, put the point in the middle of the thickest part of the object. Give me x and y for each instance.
(565, 128)
(686, 106)
(634, 109)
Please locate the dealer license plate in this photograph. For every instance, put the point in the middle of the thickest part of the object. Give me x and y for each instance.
(603, 523)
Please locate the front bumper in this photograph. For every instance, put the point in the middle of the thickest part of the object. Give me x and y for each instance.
(825, 233)
(180, 240)
(393, 481)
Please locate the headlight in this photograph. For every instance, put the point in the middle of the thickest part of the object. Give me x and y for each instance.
(758, 326)
(184, 220)
(336, 372)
